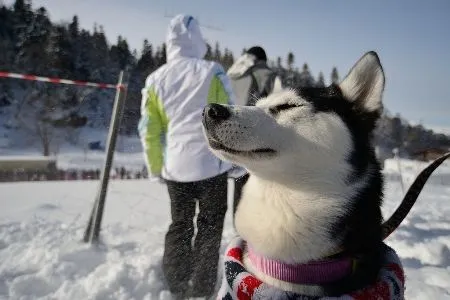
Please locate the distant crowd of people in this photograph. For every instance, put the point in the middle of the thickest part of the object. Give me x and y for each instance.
(71, 174)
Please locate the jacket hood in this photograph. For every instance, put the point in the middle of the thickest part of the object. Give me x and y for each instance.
(184, 38)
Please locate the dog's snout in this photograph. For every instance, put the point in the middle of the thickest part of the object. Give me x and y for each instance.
(216, 112)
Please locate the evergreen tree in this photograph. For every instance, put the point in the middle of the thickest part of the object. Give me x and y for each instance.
(74, 28)
(59, 53)
(334, 76)
(100, 65)
(163, 53)
(75, 41)
(290, 60)
(305, 78)
(146, 63)
(227, 59)
(279, 64)
(84, 53)
(7, 46)
(22, 11)
(121, 54)
(320, 80)
(30, 36)
(209, 54)
(217, 53)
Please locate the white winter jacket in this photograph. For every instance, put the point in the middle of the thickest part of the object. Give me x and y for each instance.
(172, 103)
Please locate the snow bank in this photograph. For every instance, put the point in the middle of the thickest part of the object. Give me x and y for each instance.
(42, 256)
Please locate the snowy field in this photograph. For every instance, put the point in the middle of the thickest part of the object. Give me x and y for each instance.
(42, 223)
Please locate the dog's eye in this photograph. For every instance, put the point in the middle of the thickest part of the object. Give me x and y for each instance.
(275, 110)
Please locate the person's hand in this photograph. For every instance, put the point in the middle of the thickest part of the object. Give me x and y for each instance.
(237, 172)
(156, 178)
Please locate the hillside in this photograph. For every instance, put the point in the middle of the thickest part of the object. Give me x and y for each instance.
(45, 116)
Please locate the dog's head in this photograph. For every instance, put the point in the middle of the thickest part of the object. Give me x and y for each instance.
(303, 132)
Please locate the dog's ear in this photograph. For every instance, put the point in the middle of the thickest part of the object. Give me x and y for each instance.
(364, 84)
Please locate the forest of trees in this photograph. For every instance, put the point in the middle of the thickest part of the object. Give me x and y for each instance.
(30, 43)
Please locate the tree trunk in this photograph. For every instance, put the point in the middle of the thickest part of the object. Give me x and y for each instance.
(45, 140)
(46, 147)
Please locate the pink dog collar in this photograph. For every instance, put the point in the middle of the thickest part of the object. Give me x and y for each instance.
(315, 272)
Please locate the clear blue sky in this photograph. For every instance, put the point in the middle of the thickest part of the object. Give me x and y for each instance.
(412, 37)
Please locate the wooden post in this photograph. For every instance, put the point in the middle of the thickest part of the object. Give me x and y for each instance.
(92, 232)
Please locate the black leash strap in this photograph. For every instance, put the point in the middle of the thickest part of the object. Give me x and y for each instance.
(411, 196)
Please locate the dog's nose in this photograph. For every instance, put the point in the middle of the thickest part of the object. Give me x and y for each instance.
(216, 112)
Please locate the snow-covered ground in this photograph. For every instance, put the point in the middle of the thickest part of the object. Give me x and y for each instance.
(41, 253)
(42, 223)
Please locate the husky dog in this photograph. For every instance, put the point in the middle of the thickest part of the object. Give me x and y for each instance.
(315, 188)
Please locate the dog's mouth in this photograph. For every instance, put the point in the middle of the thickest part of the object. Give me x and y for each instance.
(216, 145)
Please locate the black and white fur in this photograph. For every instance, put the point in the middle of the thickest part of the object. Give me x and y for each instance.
(315, 186)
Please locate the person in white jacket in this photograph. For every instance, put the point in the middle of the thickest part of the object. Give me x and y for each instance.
(175, 149)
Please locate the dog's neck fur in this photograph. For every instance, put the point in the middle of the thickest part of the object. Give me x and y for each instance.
(274, 219)
(292, 224)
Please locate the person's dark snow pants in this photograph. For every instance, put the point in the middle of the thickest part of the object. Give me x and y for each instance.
(197, 261)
